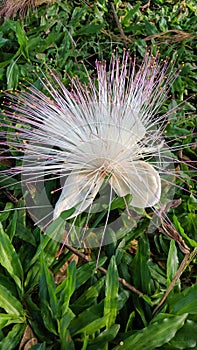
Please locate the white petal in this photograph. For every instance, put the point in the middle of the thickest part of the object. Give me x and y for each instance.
(79, 191)
(122, 132)
(140, 180)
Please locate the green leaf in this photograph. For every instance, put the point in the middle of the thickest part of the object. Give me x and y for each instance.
(9, 303)
(64, 331)
(39, 346)
(13, 337)
(180, 229)
(89, 29)
(172, 262)
(7, 319)
(89, 297)
(9, 259)
(6, 213)
(111, 293)
(155, 334)
(120, 202)
(8, 283)
(67, 288)
(157, 274)
(174, 131)
(130, 321)
(22, 40)
(3, 41)
(32, 278)
(104, 338)
(140, 268)
(86, 317)
(186, 337)
(93, 326)
(56, 229)
(130, 14)
(86, 271)
(12, 75)
(150, 28)
(48, 299)
(184, 301)
(192, 203)
(48, 246)
(11, 229)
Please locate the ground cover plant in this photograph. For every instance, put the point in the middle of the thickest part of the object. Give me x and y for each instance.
(70, 302)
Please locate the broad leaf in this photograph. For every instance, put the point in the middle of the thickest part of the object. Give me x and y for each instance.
(111, 293)
(104, 338)
(89, 297)
(7, 319)
(184, 302)
(9, 303)
(13, 337)
(47, 297)
(186, 337)
(86, 317)
(10, 260)
(154, 335)
(172, 262)
(67, 288)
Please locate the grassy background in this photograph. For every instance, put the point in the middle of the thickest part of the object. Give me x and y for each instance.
(47, 303)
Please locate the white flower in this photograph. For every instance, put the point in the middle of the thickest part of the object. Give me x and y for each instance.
(108, 129)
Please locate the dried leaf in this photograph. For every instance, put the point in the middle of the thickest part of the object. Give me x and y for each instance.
(28, 339)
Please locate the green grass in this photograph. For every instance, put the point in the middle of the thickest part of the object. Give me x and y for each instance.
(65, 302)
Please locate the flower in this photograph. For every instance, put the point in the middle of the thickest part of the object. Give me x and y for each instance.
(106, 130)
